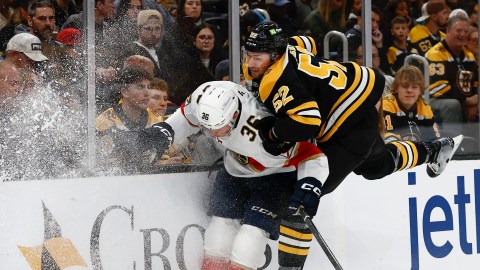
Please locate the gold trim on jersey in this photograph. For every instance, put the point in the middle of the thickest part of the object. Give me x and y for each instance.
(439, 88)
(307, 43)
(312, 119)
(348, 102)
(271, 77)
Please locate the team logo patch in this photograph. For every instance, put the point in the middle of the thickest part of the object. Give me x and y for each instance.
(36, 47)
(273, 32)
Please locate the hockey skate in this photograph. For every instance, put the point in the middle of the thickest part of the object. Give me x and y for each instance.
(442, 151)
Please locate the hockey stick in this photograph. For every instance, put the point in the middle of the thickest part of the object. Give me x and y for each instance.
(320, 239)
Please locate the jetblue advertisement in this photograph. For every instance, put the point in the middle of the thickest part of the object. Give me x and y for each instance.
(405, 221)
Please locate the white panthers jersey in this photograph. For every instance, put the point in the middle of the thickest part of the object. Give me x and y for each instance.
(245, 155)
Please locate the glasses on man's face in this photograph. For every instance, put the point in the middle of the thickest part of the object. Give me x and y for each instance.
(206, 38)
(152, 28)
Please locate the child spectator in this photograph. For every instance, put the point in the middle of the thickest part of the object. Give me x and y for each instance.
(158, 102)
(394, 8)
(158, 97)
(398, 51)
(407, 116)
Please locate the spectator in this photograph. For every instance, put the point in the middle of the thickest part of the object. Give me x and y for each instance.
(222, 72)
(126, 14)
(109, 96)
(6, 12)
(104, 57)
(148, 4)
(158, 97)
(423, 37)
(375, 64)
(71, 69)
(329, 15)
(279, 11)
(399, 50)
(302, 9)
(17, 23)
(149, 27)
(393, 9)
(472, 43)
(354, 38)
(104, 10)
(41, 20)
(415, 8)
(454, 75)
(188, 16)
(249, 20)
(140, 62)
(355, 10)
(24, 50)
(10, 84)
(473, 15)
(63, 10)
(191, 9)
(118, 126)
(452, 4)
(204, 42)
(158, 102)
(407, 116)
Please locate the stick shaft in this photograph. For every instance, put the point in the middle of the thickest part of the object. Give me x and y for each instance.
(320, 239)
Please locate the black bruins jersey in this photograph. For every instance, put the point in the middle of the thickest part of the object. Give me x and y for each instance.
(417, 124)
(396, 57)
(314, 95)
(421, 39)
(451, 77)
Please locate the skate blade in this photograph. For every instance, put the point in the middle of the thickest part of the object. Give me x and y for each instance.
(434, 170)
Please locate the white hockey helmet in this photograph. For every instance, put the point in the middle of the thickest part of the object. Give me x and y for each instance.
(217, 106)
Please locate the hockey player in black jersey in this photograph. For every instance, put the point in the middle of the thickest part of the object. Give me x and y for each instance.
(334, 103)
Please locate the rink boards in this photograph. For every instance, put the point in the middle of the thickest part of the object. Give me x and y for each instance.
(405, 221)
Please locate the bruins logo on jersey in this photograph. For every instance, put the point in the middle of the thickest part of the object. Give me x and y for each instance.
(464, 81)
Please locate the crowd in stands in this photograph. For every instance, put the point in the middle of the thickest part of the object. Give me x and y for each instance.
(151, 54)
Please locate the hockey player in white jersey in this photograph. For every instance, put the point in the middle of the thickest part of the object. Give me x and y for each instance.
(256, 187)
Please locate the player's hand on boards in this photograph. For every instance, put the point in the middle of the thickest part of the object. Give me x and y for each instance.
(307, 193)
(270, 142)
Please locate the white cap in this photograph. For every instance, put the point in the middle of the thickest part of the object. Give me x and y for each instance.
(424, 13)
(28, 44)
(458, 12)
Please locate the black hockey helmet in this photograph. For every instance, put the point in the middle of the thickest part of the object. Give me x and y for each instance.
(267, 37)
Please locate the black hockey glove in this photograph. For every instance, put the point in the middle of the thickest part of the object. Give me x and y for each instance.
(270, 143)
(307, 193)
(159, 136)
